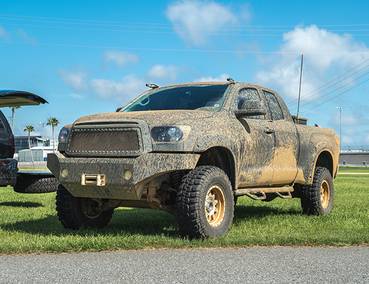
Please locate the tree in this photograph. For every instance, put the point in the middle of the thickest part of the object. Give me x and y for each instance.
(13, 114)
(53, 122)
(29, 128)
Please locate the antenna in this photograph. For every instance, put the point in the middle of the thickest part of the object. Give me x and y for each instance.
(230, 80)
(152, 86)
(299, 99)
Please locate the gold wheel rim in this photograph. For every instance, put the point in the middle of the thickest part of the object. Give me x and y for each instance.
(324, 194)
(214, 206)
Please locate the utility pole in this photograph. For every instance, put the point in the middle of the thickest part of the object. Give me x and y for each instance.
(340, 129)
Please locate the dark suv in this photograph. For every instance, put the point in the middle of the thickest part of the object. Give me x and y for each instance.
(8, 165)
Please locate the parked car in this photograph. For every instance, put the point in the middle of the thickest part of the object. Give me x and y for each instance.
(8, 165)
(25, 182)
(192, 149)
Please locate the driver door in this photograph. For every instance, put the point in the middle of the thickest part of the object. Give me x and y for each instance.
(256, 167)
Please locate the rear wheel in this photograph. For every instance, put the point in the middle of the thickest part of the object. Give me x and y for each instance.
(205, 203)
(74, 212)
(317, 199)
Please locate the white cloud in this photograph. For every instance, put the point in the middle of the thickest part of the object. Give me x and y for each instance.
(325, 53)
(128, 87)
(77, 96)
(3, 32)
(219, 78)
(163, 72)
(195, 20)
(347, 140)
(120, 58)
(349, 120)
(27, 38)
(324, 48)
(75, 80)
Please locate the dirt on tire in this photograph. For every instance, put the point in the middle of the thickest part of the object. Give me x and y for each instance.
(71, 215)
(191, 215)
(311, 201)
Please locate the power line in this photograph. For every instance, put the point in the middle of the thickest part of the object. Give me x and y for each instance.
(339, 80)
(104, 22)
(339, 94)
(163, 26)
(313, 103)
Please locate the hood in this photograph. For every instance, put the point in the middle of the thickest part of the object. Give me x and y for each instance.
(162, 117)
(10, 98)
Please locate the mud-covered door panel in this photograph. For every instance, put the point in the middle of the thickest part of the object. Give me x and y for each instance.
(286, 142)
(255, 168)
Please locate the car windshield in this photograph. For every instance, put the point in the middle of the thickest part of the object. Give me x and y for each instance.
(208, 97)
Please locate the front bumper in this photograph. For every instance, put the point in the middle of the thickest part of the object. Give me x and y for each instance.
(8, 172)
(70, 173)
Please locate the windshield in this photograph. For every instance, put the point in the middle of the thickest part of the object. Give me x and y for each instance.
(209, 97)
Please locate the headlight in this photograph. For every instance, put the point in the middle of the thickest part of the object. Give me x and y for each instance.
(166, 134)
(63, 135)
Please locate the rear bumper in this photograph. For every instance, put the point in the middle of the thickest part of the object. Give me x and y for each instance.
(8, 172)
(69, 172)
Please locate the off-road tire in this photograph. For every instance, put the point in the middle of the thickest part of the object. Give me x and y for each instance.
(311, 201)
(71, 215)
(191, 211)
(36, 185)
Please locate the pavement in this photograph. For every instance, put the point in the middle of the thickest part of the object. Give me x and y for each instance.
(238, 265)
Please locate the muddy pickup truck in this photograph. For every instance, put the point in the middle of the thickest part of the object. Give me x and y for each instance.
(192, 149)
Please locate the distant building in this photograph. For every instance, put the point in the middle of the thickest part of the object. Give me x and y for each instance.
(356, 158)
(21, 142)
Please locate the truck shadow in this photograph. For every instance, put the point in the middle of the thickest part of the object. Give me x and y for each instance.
(24, 204)
(256, 212)
(136, 221)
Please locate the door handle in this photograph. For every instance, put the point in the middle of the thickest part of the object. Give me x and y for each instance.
(269, 130)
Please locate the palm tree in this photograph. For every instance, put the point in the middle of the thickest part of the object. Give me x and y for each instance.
(13, 114)
(53, 122)
(29, 128)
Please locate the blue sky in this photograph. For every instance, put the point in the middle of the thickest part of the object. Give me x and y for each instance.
(88, 58)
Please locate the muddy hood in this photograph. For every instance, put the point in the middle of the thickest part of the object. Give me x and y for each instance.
(165, 117)
(9, 98)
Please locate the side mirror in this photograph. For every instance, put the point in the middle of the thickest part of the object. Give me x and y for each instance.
(249, 108)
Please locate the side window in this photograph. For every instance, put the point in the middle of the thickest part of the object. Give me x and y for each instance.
(248, 94)
(275, 108)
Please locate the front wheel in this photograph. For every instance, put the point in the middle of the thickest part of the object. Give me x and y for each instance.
(205, 203)
(74, 212)
(317, 199)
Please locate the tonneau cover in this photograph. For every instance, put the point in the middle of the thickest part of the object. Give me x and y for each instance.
(9, 98)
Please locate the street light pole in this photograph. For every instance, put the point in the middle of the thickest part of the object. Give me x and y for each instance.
(340, 129)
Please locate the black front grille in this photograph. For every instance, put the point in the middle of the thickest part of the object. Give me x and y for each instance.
(104, 141)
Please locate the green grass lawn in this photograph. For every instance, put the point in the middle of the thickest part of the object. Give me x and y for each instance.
(28, 224)
(354, 170)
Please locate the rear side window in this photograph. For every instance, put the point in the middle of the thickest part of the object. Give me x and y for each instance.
(248, 94)
(275, 108)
